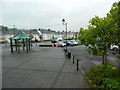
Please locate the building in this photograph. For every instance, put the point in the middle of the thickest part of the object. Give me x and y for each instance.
(40, 34)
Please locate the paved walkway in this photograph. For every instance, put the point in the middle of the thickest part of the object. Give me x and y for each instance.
(112, 58)
(40, 68)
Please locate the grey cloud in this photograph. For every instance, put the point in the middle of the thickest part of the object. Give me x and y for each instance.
(42, 14)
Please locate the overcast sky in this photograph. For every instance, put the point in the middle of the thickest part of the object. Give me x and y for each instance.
(49, 13)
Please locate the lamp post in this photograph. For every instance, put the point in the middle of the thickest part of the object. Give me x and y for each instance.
(64, 23)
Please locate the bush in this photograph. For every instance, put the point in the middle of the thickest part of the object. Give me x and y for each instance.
(31, 36)
(104, 76)
(118, 56)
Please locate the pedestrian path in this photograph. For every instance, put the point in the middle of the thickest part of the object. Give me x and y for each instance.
(44, 67)
(112, 58)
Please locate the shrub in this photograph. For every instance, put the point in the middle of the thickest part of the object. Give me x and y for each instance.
(118, 56)
(104, 76)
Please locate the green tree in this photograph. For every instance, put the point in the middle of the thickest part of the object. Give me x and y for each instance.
(102, 32)
(41, 37)
(31, 36)
(114, 20)
(4, 28)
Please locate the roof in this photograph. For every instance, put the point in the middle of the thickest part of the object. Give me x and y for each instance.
(30, 31)
(20, 35)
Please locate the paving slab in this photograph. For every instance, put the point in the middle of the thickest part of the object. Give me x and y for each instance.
(69, 67)
(41, 68)
(53, 56)
(28, 79)
(70, 81)
(12, 62)
(70, 78)
(43, 64)
(4, 70)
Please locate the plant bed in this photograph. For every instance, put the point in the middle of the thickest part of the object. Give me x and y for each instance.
(104, 76)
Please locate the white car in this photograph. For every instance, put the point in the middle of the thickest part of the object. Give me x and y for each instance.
(75, 42)
(60, 44)
(59, 39)
(113, 47)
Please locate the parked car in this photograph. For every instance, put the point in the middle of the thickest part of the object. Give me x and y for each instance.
(36, 40)
(75, 42)
(113, 47)
(54, 41)
(72, 43)
(68, 42)
(59, 39)
(2, 39)
(60, 44)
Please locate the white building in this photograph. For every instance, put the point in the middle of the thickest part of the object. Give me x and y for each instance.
(40, 34)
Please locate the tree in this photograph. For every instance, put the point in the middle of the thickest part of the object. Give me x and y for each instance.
(4, 28)
(114, 16)
(102, 32)
(97, 36)
(31, 36)
(41, 37)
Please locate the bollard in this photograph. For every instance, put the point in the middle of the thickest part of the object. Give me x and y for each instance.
(77, 64)
(73, 59)
(69, 54)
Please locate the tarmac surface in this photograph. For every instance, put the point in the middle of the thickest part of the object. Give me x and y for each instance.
(87, 61)
(41, 67)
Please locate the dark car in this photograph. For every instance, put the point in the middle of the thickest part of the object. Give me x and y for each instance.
(54, 41)
(68, 42)
(36, 40)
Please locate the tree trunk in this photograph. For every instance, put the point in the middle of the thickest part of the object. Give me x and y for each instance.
(106, 55)
(103, 59)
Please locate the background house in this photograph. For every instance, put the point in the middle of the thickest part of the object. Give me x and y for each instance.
(40, 34)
